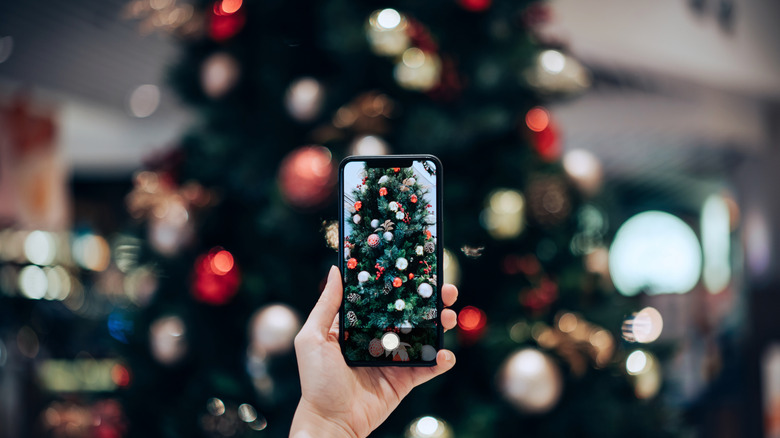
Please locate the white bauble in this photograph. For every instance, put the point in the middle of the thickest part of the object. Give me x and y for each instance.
(399, 215)
(425, 290)
(411, 181)
(273, 328)
(430, 219)
(419, 250)
(168, 339)
(388, 236)
(383, 179)
(393, 206)
(531, 381)
(400, 304)
(375, 223)
(401, 263)
(406, 327)
(356, 218)
(428, 353)
(363, 276)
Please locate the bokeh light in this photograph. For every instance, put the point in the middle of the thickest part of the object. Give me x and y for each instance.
(59, 283)
(40, 247)
(386, 32)
(552, 61)
(306, 176)
(584, 169)
(504, 216)
(304, 99)
(369, 145)
(418, 70)
(219, 73)
(230, 6)
(531, 381)
(758, 242)
(222, 262)
(428, 427)
(636, 362)
(537, 119)
(644, 326)
(451, 267)
(33, 282)
(655, 252)
(472, 319)
(144, 100)
(273, 329)
(91, 252)
(716, 243)
(388, 19)
(168, 339)
(215, 406)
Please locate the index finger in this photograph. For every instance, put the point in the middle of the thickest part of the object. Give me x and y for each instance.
(449, 294)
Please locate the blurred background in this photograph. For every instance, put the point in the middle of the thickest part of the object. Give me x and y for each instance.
(168, 207)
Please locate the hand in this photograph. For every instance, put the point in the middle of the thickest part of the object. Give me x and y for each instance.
(340, 401)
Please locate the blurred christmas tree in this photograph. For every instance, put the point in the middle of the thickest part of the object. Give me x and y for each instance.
(235, 216)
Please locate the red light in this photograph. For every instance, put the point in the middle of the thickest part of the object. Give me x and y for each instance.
(230, 6)
(537, 119)
(222, 262)
(475, 5)
(471, 319)
(120, 375)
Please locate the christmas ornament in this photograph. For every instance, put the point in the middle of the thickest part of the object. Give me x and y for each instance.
(531, 381)
(168, 339)
(399, 304)
(393, 206)
(410, 181)
(351, 318)
(387, 288)
(405, 327)
(418, 70)
(219, 74)
(400, 354)
(425, 290)
(358, 205)
(399, 216)
(373, 240)
(419, 250)
(382, 191)
(375, 348)
(428, 234)
(353, 298)
(430, 219)
(304, 99)
(386, 31)
(273, 328)
(306, 176)
(375, 223)
(503, 217)
(352, 263)
(401, 263)
(397, 282)
(430, 314)
(356, 219)
(383, 179)
(413, 199)
(216, 277)
(411, 276)
(429, 247)
(388, 236)
(428, 353)
(363, 276)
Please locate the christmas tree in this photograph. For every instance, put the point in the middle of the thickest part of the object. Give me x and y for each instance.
(397, 242)
(233, 222)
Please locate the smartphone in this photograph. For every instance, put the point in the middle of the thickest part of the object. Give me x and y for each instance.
(390, 260)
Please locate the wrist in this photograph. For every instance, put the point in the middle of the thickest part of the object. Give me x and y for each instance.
(309, 423)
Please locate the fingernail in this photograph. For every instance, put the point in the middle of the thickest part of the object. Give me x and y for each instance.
(448, 356)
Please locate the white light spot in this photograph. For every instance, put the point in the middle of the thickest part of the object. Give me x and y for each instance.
(716, 243)
(33, 282)
(636, 362)
(427, 426)
(144, 100)
(552, 61)
(40, 248)
(388, 19)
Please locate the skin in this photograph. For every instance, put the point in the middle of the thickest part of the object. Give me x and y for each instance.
(340, 401)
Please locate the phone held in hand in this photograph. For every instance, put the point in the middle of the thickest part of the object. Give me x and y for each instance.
(390, 260)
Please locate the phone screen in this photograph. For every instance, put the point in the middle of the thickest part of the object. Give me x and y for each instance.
(390, 260)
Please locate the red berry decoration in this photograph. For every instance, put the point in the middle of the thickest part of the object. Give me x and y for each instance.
(358, 205)
(411, 276)
(216, 278)
(352, 263)
(427, 234)
(373, 240)
(397, 282)
(396, 169)
(413, 199)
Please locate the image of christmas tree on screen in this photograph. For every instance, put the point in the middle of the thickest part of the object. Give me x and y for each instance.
(390, 262)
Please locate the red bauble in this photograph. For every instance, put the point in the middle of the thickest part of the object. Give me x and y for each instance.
(352, 263)
(411, 276)
(373, 240)
(358, 205)
(306, 176)
(223, 26)
(216, 277)
(475, 5)
(382, 191)
(413, 199)
(428, 234)
(397, 282)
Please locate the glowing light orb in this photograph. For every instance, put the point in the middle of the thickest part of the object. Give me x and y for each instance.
(655, 252)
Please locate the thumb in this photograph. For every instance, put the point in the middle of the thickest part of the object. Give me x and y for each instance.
(321, 317)
(445, 360)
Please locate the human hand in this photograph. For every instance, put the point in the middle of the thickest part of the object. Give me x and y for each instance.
(341, 401)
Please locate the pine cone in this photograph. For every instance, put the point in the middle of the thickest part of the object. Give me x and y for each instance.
(353, 298)
(429, 247)
(388, 287)
(351, 318)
